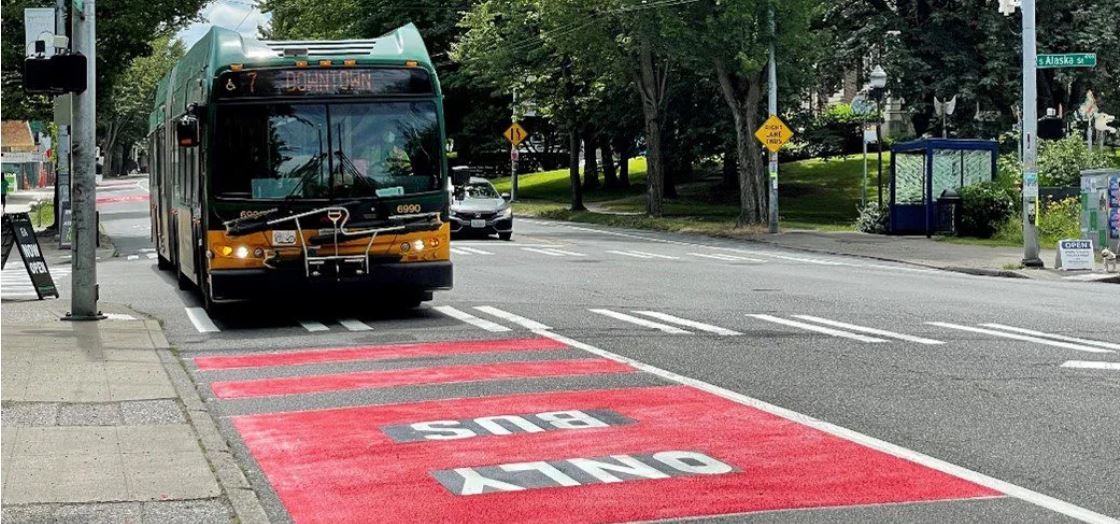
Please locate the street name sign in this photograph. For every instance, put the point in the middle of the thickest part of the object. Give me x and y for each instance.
(773, 134)
(515, 134)
(1067, 60)
(1075, 255)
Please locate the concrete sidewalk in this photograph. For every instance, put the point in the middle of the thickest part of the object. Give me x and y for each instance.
(101, 424)
(919, 250)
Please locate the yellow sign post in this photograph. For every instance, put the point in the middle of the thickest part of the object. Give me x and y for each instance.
(773, 133)
(516, 134)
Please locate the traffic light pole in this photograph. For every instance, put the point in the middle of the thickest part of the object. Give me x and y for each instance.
(773, 106)
(1030, 138)
(83, 294)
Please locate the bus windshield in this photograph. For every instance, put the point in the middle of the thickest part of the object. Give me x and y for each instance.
(326, 151)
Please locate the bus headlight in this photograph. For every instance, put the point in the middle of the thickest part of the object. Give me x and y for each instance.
(241, 252)
(418, 245)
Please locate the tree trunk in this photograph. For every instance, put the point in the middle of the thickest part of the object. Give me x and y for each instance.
(624, 167)
(590, 163)
(742, 95)
(610, 177)
(651, 87)
(573, 171)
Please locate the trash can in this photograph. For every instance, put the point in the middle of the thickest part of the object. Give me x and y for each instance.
(948, 212)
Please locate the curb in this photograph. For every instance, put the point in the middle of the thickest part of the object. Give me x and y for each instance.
(242, 497)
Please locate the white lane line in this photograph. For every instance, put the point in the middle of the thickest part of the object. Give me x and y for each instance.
(1024, 338)
(475, 251)
(516, 319)
(1087, 342)
(728, 258)
(463, 316)
(133, 257)
(655, 255)
(354, 324)
(1007, 488)
(818, 329)
(151, 256)
(1087, 364)
(627, 254)
(313, 326)
(459, 251)
(565, 253)
(201, 320)
(873, 331)
(689, 323)
(737, 257)
(541, 251)
(641, 322)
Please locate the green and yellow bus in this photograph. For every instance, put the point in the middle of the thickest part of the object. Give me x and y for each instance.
(283, 168)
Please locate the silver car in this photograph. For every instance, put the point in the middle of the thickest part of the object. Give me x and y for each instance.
(477, 208)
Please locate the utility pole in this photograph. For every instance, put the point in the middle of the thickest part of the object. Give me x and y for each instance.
(1030, 138)
(83, 294)
(513, 153)
(773, 106)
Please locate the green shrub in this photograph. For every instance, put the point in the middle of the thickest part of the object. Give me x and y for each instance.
(1060, 163)
(984, 208)
(1060, 219)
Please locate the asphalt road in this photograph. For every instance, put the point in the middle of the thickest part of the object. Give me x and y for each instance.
(843, 388)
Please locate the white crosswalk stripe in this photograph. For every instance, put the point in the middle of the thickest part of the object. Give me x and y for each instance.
(354, 324)
(1025, 338)
(1089, 364)
(510, 317)
(554, 252)
(872, 331)
(463, 250)
(689, 323)
(541, 251)
(1087, 342)
(468, 318)
(202, 322)
(641, 322)
(313, 326)
(14, 282)
(816, 328)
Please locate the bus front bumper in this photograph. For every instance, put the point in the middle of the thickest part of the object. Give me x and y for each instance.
(228, 285)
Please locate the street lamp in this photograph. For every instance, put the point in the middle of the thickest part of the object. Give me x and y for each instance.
(878, 81)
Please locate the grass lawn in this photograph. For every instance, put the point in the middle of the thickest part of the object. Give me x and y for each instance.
(815, 194)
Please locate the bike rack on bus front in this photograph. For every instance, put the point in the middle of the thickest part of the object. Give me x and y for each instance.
(339, 216)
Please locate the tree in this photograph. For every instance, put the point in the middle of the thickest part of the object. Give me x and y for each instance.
(124, 118)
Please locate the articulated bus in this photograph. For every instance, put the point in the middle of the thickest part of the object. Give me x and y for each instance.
(282, 168)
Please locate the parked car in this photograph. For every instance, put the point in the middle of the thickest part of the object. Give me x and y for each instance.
(477, 208)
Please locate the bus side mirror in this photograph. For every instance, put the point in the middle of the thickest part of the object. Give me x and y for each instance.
(186, 131)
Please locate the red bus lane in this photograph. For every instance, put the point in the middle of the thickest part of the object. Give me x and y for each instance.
(610, 455)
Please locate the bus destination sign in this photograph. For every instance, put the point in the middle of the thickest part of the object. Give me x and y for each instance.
(323, 82)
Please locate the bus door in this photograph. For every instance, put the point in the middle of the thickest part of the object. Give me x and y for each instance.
(162, 187)
(185, 175)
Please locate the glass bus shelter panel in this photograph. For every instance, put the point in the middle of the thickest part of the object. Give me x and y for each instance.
(910, 175)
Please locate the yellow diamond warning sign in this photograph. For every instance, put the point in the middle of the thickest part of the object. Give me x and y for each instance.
(515, 133)
(773, 134)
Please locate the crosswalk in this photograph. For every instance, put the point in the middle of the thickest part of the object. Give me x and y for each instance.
(493, 319)
(15, 284)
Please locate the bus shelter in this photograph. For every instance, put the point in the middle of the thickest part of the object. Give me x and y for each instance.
(931, 171)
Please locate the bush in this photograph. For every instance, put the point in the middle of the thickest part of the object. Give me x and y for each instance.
(873, 218)
(1060, 163)
(1060, 219)
(984, 208)
(837, 131)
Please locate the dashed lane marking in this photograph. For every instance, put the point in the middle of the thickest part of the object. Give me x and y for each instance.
(133, 257)
(470, 251)
(643, 254)
(727, 258)
(1088, 364)
(1088, 342)
(641, 322)
(542, 251)
(628, 254)
(354, 324)
(872, 331)
(816, 328)
(1025, 338)
(463, 316)
(510, 317)
(313, 326)
(566, 253)
(689, 323)
(201, 320)
(1019, 492)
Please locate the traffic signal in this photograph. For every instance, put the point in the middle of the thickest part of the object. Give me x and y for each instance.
(55, 75)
